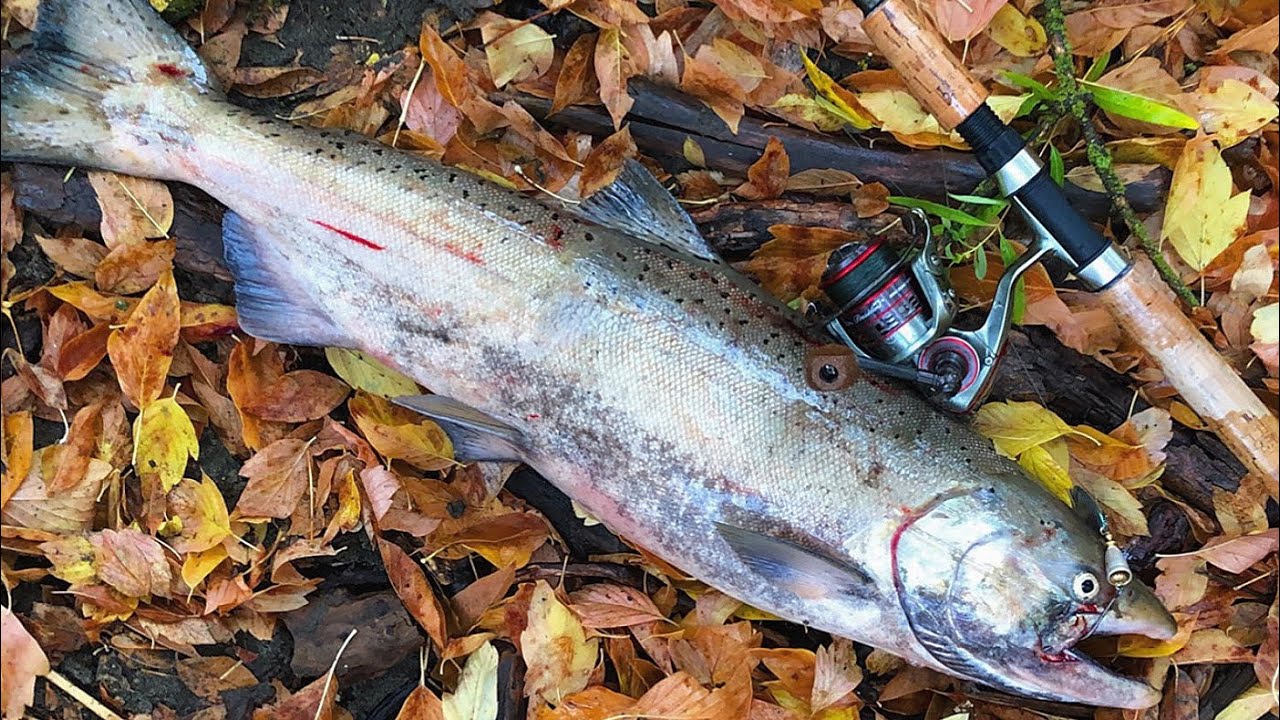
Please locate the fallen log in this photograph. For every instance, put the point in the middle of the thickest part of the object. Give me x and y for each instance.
(662, 119)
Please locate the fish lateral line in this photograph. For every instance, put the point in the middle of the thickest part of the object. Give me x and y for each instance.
(349, 235)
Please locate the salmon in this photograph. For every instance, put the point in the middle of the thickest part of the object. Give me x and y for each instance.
(607, 348)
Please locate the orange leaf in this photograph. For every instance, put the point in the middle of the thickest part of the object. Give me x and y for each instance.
(142, 350)
(447, 69)
(613, 69)
(767, 177)
(415, 592)
(422, 704)
(18, 438)
(605, 161)
(132, 562)
(297, 397)
(133, 267)
(605, 605)
(313, 702)
(577, 81)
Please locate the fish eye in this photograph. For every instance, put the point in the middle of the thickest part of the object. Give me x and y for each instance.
(1085, 586)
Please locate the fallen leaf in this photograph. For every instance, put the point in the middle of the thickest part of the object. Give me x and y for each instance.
(23, 661)
(133, 209)
(203, 512)
(557, 654)
(33, 506)
(959, 21)
(142, 350)
(75, 255)
(576, 81)
(400, 434)
(1020, 34)
(422, 704)
(602, 165)
(163, 439)
(133, 267)
(767, 177)
(276, 81)
(1015, 427)
(516, 50)
(278, 477)
(313, 702)
(605, 605)
(1238, 554)
(1202, 216)
(415, 592)
(296, 396)
(477, 695)
(1232, 111)
(613, 68)
(18, 451)
(132, 562)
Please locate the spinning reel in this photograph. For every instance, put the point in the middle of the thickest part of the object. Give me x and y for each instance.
(895, 314)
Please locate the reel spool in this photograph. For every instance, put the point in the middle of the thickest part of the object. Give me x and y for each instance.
(895, 314)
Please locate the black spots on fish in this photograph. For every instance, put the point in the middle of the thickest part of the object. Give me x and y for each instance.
(379, 151)
(621, 257)
(453, 177)
(586, 236)
(465, 193)
(340, 146)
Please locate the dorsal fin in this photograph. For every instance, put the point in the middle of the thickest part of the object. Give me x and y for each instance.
(636, 204)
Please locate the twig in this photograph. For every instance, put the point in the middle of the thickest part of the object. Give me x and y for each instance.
(80, 696)
(1076, 102)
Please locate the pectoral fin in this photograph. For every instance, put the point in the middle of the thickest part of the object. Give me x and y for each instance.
(805, 572)
(476, 437)
(637, 204)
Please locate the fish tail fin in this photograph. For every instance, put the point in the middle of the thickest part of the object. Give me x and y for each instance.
(107, 84)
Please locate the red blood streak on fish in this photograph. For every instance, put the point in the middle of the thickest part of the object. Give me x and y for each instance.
(554, 239)
(171, 70)
(349, 235)
(463, 253)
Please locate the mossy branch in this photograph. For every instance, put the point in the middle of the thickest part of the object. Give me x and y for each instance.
(1077, 102)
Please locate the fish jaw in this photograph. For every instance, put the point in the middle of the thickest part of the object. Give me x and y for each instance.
(1137, 611)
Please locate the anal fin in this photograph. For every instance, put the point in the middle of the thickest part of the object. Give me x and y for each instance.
(270, 304)
(476, 437)
(804, 572)
(636, 204)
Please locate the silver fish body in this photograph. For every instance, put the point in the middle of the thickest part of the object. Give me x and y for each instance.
(664, 394)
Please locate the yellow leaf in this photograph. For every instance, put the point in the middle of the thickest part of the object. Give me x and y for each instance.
(73, 558)
(1145, 647)
(163, 439)
(557, 653)
(515, 50)
(477, 694)
(400, 434)
(1015, 427)
(1251, 705)
(1049, 467)
(1266, 324)
(1234, 110)
(203, 510)
(1202, 217)
(1019, 34)
(365, 373)
(805, 109)
(842, 102)
(693, 153)
(196, 566)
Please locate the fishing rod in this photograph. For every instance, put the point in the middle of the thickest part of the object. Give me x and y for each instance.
(894, 313)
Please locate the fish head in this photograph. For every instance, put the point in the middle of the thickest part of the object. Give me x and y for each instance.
(998, 583)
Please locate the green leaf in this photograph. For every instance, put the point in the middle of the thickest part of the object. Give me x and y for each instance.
(1008, 253)
(942, 211)
(1057, 169)
(1139, 107)
(979, 200)
(1026, 82)
(1098, 67)
(980, 264)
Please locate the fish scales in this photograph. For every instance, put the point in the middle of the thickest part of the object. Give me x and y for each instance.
(665, 394)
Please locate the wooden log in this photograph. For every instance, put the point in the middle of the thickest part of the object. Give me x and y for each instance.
(662, 118)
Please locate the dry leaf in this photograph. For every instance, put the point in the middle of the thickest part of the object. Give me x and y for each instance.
(131, 562)
(142, 350)
(767, 177)
(556, 651)
(516, 50)
(1202, 216)
(477, 695)
(22, 662)
(163, 439)
(415, 592)
(133, 209)
(278, 477)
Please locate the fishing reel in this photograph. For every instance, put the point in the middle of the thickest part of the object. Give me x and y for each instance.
(895, 314)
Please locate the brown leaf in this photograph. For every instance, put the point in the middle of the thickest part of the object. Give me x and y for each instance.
(221, 53)
(447, 69)
(297, 397)
(142, 350)
(415, 592)
(271, 82)
(78, 450)
(133, 209)
(959, 21)
(132, 562)
(428, 112)
(133, 267)
(577, 81)
(793, 262)
(422, 704)
(278, 476)
(1238, 554)
(704, 79)
(469, 604)
(20, 664)
(10, 215)
(871, 199)
(74, 255)
(313, 702)
(33, 506)
(767, 177)
(605, 605)
(605, 161)
(613, 68)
